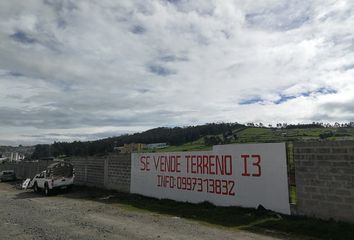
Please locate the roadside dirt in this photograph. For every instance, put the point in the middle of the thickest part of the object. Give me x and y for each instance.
(26, 215)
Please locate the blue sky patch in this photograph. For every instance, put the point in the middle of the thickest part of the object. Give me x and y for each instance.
(172, 58)
(160, 70)
(322, 91)
(23, 37)
(248, 101)
(284, 98)
(16, 74)
(349, 67)
(137, 29)
(281, 17)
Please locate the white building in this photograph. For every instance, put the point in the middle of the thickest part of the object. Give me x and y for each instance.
(16, 157)
(156, 145)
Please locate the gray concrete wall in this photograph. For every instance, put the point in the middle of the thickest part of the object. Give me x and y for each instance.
(325, 179)
(111, 172)
(89, 171)
(118, 172)
(25, 170)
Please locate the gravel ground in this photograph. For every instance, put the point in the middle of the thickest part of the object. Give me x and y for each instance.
(26, 215)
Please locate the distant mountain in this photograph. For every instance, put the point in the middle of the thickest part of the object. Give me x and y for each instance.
(171, 136)
(185, 138)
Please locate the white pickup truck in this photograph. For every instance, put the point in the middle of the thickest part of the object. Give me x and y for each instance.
(59, 175)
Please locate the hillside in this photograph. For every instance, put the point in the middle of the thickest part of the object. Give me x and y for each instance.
(202, 137)
(172, 136)
(266, 135)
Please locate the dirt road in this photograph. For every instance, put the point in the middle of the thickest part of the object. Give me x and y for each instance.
(26, 215)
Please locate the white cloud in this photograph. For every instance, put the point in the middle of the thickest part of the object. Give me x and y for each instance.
(68, 65)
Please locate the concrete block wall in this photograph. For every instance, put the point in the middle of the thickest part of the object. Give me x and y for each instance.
(111, 172)
(325, 179)
(89, 171)
(95, 171)
(25, 170)
(118, 172)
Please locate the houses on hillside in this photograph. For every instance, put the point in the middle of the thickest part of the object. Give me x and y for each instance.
(11, 157)
(139, 147)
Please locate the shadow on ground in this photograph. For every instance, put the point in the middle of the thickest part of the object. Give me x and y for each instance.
(27, 195)
(14, 184)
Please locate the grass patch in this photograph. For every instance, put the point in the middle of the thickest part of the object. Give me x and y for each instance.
(186, 147)
(236, 218)
(265, 135)
(292, 190)
(310, 227)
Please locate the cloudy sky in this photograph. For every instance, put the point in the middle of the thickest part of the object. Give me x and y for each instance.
(87, 69)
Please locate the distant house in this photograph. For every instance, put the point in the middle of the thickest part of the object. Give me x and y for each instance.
(156, 145)
(16, 157)
(131, 147)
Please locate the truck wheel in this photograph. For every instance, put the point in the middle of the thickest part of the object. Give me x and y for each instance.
(35, 187)
(46, 189)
